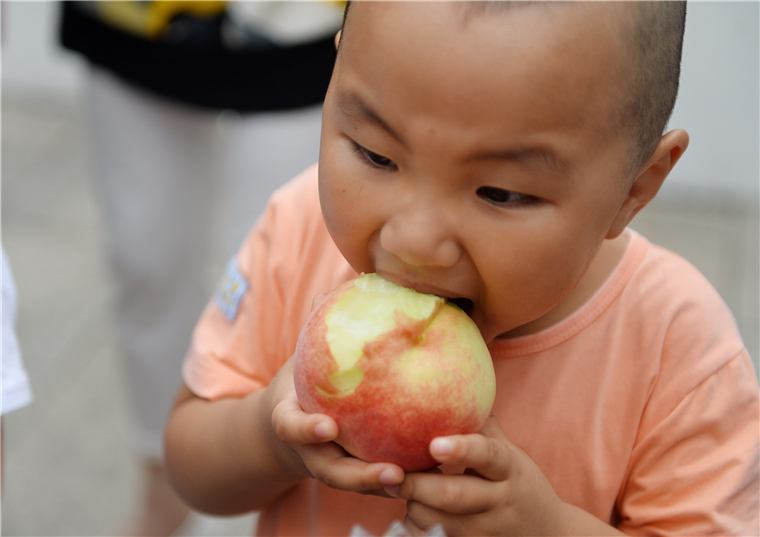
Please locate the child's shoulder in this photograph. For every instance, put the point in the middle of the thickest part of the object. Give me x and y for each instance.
(300, 193)
(292, 215)
(680, 313)
(674, 287)
(291, 240)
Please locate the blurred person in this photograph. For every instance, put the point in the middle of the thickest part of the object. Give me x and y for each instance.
(16, 391)
(160, 73)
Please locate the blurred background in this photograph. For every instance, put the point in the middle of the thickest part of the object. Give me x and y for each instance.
(68, 469)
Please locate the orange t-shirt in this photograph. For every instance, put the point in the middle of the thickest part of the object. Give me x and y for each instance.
(641, 407)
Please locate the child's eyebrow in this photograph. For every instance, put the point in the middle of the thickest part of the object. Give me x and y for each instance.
(538, 154)
(351, 105)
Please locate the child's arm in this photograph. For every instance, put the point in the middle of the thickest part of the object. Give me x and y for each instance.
(237, 455)
(503, 492)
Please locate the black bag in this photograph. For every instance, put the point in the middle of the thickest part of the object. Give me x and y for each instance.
(191, 63)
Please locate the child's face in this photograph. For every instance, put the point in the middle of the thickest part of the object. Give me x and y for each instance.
(470, 158)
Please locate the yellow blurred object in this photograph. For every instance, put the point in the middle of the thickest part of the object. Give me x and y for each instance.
(150, 19)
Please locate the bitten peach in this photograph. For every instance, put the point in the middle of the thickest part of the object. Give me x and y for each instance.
(395, 368)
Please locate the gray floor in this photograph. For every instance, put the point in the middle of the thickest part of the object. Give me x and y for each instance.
(67, 471)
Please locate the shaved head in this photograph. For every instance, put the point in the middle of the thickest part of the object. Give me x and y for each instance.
(646, 83)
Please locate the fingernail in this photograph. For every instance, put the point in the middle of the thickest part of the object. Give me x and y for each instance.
(324, 430)
(392, 491)
(441, 446)
(389, 477)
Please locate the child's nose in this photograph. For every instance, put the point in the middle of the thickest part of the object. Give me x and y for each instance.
(420, 239)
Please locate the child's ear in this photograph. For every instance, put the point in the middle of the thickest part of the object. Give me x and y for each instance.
(650, 179)
(337, 39)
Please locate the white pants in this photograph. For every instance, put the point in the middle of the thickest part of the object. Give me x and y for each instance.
(157, 161)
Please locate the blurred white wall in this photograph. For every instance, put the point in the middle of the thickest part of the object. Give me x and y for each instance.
(717, 105)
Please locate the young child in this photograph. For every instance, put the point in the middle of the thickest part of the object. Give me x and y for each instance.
(491, 153)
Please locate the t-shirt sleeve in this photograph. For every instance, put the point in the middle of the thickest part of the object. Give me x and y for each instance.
(232, 329)
(700, 475)
(237, 346)
(693, 469)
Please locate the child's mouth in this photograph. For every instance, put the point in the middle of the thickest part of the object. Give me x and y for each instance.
(465, 304)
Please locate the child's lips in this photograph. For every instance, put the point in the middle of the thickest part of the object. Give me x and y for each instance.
(420, 287)
(464, 303)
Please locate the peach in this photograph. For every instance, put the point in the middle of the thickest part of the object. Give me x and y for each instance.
(395, 368)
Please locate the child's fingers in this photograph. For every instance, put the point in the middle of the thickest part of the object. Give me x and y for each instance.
(455, 494)
(294, 426)
(412, 528)
(490, 454)
(329, 464)
(440, 523)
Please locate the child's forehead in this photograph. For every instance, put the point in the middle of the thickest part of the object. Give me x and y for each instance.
(385, 16)
(535, 54)
(591, 29)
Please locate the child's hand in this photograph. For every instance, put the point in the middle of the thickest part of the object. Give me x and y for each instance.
(502, 492)
(309, 437)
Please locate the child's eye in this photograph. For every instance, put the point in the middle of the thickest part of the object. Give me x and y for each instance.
(373, 158)
(499, 196)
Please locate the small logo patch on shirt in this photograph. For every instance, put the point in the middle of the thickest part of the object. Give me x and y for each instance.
(230, 290)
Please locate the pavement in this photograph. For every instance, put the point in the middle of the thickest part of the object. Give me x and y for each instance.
(67, 470)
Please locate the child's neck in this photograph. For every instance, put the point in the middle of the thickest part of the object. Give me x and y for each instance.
(606, 260)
